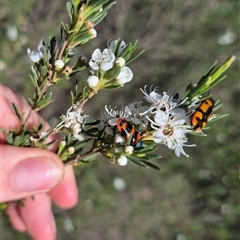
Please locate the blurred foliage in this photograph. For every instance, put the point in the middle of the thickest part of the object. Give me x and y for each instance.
(194, 198)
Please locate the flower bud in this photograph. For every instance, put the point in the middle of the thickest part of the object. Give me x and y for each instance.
(62, 144)
(92, 81)
(129, 149)
(61, 147)
(93, 32)
(59, 64)
(71, 150)
(89, 25)
(120, 62)
(100, 9)
(122, 161)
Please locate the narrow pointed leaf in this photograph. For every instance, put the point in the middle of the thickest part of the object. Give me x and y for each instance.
(151, 165)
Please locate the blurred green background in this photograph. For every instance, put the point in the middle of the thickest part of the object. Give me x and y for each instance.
(194, 198)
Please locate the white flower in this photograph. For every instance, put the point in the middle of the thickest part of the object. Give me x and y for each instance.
(122, 161)
(104, 117)
(173, 137)
(114, 114)
(124, 76)
(74, 120)
(102, 60)
(59, 64)
(36, 56)
(132, 113)
(138, 114)
(92, 81)
(117, 46)
(170, 131)
(164, 102)
(168, 119)
(161, 118)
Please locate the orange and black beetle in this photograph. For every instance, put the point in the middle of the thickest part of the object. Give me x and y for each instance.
(127, 130)
(202, 114)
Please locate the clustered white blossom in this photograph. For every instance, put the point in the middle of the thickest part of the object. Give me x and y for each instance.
(106, 60)
(132, 113)
(168, 121)
(75, 120)
(166, 118)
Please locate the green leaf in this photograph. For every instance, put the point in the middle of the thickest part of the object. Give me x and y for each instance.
(17, 141)
(34, 81)
(44, 71)
(208, 80)
(97, 3)
(151, 156)
(100, 16)
(135, 57)
(151, 165)
(16, 111)
(31, 102)
(9, 138)
(112, 86)
(89, 158)
(217, 117)
(149, 148)
(50, 143)
(136, 161)
(72, 97)
(77, 70)
(34, 71)
(75, 3)
(70, 10)
(64, 29)
(46, 100)
(79, 147)
(62, 79)
(222, 68)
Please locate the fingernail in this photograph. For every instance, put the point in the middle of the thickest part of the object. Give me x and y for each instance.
(35, 174)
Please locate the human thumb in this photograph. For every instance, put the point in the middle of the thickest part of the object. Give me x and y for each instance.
(27, 171)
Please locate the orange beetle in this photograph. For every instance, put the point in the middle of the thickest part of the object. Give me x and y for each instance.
(202, 114)
(127, 130)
